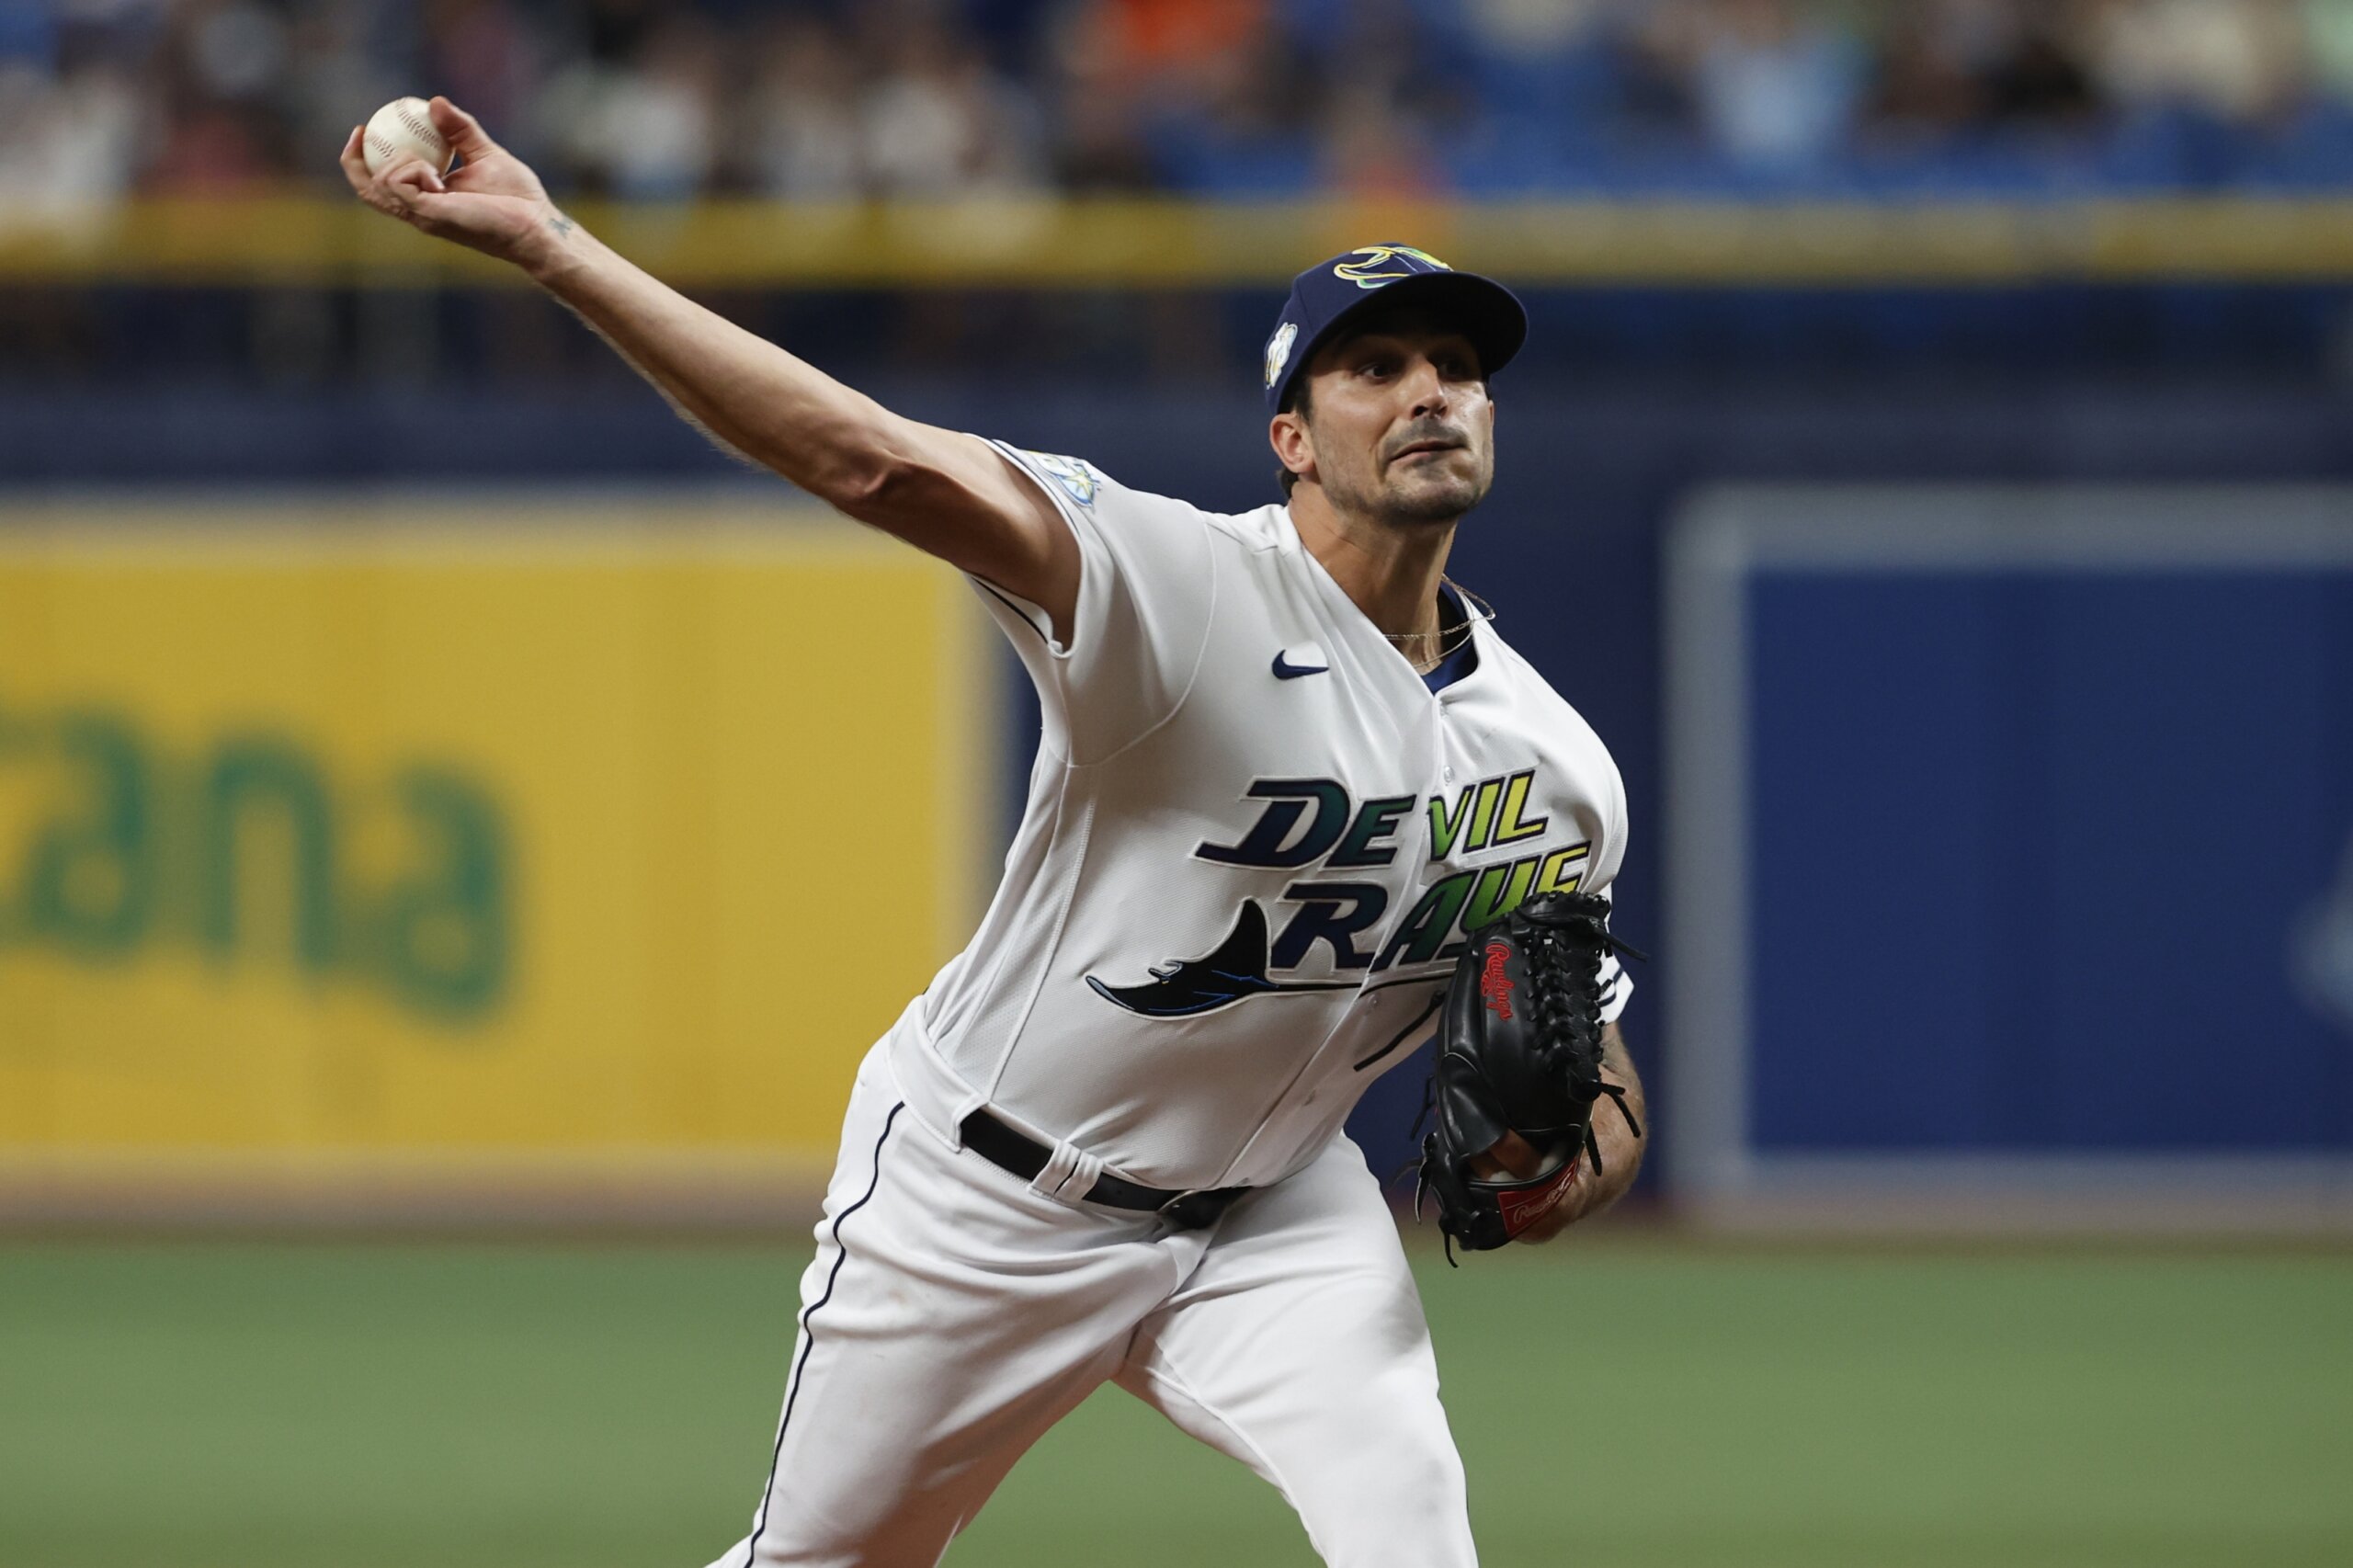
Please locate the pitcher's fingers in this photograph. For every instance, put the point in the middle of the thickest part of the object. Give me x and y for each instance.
(439, 213)
(354, 162)
(412, 174)
(467, 138)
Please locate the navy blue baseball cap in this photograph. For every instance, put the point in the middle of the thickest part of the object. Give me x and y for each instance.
(1329, 293)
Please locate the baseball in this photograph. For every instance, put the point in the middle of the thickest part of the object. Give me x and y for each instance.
(403, 128)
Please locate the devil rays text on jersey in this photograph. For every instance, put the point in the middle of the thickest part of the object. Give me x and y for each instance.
(1313, 822)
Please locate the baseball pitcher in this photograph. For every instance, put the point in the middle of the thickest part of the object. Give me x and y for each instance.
(1296, 809)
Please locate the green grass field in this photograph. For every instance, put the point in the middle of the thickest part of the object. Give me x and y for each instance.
(251, 1406)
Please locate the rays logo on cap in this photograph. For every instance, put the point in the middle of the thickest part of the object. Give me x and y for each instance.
(1364, 275)
(1367, 277)
(1279, 349)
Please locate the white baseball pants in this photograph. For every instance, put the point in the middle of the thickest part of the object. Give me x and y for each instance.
(954, 1312)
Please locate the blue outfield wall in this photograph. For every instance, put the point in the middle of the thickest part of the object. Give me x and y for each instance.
(2034, 854)
(1568, 550)
(2012, 850)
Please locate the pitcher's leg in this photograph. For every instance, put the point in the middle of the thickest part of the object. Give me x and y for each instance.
(950, 1316)
(1299, 1346)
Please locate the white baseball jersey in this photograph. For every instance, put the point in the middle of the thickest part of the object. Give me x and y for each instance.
(1255, 841)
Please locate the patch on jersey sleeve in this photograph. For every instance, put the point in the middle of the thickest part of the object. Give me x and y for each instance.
(1078, 480)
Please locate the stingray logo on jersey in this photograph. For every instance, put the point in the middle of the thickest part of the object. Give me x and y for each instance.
(1078, 480)
(1314, 824)
(1386, 264)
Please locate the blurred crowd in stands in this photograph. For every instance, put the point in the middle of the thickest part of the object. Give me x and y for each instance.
(661, 99)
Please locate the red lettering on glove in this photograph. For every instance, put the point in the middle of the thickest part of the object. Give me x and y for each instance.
(1495, 985)
(1524, 1207)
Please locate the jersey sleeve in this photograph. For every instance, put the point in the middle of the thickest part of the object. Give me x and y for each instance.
(1617, 989)
(1147, 587)
(1617, 985)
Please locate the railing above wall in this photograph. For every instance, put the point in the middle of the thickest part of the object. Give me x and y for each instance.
(1150, 244)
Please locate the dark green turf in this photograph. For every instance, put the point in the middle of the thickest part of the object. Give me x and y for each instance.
(253, 1406)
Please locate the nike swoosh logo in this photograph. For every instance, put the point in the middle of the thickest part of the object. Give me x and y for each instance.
(1312, 663)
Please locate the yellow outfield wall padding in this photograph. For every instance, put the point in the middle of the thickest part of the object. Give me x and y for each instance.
(468, 828)
(1154, 242)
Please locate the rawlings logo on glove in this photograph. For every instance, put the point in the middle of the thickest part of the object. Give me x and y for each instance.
(1493, 984)
(1519, 1050)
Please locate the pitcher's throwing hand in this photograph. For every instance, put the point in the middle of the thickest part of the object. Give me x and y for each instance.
(491, 201)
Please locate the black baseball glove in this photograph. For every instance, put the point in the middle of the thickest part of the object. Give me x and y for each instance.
(1519, 1050)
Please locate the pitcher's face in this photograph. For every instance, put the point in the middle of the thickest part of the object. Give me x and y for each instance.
(1395, 423)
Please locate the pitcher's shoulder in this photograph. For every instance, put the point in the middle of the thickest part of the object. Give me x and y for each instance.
(1084, 485)
(1263, 527)
(1528, 686)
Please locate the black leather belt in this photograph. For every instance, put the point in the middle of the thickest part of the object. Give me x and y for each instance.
(1009, 1151)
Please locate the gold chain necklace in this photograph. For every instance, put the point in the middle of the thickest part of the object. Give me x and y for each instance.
(1483, 611)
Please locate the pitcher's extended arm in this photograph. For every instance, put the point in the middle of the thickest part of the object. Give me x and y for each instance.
(946, 494)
